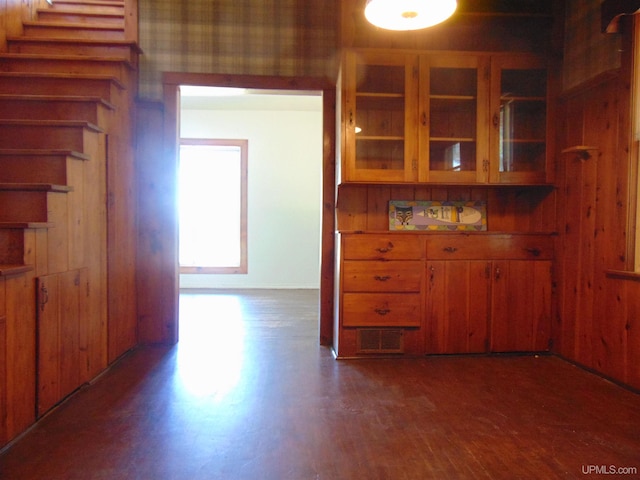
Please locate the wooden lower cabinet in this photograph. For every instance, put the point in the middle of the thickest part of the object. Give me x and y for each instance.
(417, 294)
(521, 306)
(457, 306)
(62, 336)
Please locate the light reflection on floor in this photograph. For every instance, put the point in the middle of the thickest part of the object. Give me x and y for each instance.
(211, 348)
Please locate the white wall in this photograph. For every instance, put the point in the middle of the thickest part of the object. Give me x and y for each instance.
(284, 193)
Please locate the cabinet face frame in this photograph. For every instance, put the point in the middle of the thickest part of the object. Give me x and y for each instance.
(498, 65)
(352, 60)
(481, 66)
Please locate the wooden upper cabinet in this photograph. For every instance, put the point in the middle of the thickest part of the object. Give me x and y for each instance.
(453, 102)
(444, 118)
(379, 117)
(519, 95)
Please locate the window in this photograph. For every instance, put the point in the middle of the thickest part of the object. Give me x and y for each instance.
(212, 203)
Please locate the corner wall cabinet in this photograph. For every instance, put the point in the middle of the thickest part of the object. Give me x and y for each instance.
(444, 118)
(418, 294)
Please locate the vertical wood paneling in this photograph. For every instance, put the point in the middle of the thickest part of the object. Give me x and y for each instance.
(609, 332)
(457, 303)
(327, 253)
(48, 389)
(378, 208)
(157, 253)
(58, 236)
(632, 328)
(20, 353)
(521, 305)
(598, 314)
(66, 336)
(3, 365)
(542, 309)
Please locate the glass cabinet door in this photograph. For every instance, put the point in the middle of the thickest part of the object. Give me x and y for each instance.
(379, 117)
(519, 121)
(453, 93)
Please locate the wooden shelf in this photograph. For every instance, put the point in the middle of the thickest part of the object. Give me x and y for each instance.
(7, 270)
(582, 151)
(452, 139)
(25, 225)
(379, 137)
(452, 97)
(35, 187)
(379, 95)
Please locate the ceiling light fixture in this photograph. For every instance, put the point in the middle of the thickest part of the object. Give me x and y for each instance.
(408, 14)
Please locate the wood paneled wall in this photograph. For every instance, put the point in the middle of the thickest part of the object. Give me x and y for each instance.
(510, 209)
(157, 244)
(597, 324)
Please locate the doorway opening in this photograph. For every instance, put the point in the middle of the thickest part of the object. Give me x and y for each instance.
(276, 87)
(266, 211)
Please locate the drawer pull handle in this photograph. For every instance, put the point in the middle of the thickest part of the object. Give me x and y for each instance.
(382, 311)
(450, 249)
(382, 278)
(533, 251)
(386, 249)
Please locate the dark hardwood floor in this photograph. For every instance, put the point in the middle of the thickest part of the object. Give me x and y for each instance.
(249, 394)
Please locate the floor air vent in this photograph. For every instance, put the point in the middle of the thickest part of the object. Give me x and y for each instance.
(380, 340)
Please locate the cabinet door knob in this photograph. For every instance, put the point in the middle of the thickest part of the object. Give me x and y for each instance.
(533, 251)
(498, 273)
(424, 119)
(450, 249)
(496, 120)
(382, 311)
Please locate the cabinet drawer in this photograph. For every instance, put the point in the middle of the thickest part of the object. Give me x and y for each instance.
(493, 247)
(381, 247)
(377, 276)
(381, 309)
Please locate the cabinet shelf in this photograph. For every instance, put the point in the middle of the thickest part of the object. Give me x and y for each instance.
(453, 97)
(452, 139)
(510, 98)
(380, 138)
(379, 95)
(524, 140)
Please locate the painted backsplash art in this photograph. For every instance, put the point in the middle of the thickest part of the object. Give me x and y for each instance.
(433, 215)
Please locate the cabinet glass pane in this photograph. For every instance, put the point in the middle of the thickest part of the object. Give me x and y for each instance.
(454, 81)
(380, 79)
(452, 119)
(380, 117)
(376, 116)
(523, 121)
(380, 154)
(452, 156)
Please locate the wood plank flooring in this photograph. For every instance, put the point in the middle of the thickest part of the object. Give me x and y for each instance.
(249, 394)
